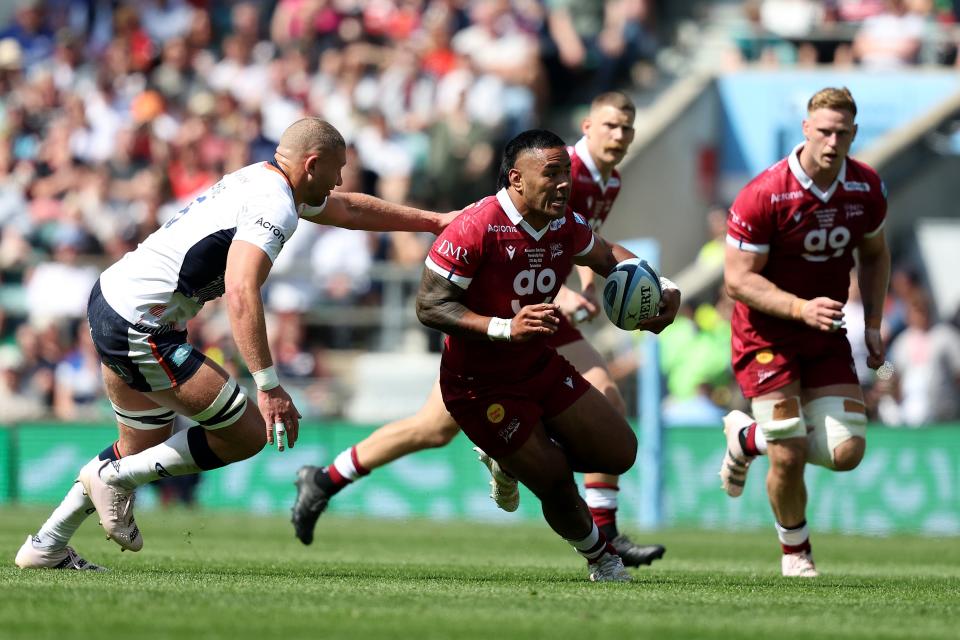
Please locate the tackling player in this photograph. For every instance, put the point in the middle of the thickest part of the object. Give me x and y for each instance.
(489, 283)
(793, 235)
(222, 244)
(607, 134)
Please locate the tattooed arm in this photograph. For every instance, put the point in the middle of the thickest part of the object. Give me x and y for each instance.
(439, 307)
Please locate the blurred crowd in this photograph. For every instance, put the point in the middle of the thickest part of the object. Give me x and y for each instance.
(115, 113)
(875, 34)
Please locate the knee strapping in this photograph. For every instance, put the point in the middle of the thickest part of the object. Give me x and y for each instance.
(833, 421)
(144, 420)
(225, 410)
(779, 419)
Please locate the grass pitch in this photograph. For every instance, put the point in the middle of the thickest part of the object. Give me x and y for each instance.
(210, 575)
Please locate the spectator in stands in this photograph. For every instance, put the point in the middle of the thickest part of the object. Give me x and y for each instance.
(31, 32)
(17, 404)
(890, 39)
(926, 358)
(60, 288)
(593, 43)
(78, 389)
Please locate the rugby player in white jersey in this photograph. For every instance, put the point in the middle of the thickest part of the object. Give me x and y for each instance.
(221, 244)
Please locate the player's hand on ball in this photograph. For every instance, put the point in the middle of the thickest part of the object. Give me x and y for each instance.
(875, 350)
(534, 321)
(277, 408)
(823, 313)
(669, 307)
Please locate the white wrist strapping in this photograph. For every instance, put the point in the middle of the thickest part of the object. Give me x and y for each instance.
(499, 329)
(266, 379)
(666, 283)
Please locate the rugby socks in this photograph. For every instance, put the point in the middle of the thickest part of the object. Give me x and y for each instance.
(345, 469)
(752, 440)
(601, 499)
(593, 546)
(794, 539)
(183, 453)
(71, 512)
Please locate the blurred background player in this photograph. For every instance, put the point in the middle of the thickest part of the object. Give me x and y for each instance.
(221, 244)
(792, 233)
(607, 133)
(489, 281)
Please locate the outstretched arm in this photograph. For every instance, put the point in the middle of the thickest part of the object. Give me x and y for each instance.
(439, 307)
(369, 213)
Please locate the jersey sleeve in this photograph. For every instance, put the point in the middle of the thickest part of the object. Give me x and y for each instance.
(750, 223)
(457, 252)
(266, 225)
(877, 213)
(583, 238)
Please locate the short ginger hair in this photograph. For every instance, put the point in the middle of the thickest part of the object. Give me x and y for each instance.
(837, 99)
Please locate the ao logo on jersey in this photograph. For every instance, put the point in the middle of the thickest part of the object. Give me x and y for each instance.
(529, 281)
(819, 241)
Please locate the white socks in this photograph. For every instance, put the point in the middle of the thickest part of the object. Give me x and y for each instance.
(591, 547)
(170, 458)
(65, 519)
(601, 498)
(344, 463)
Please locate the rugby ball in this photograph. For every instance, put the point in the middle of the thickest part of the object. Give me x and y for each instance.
(631, 294)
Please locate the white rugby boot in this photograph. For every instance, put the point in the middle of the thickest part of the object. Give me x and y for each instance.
(733, 470)
(114, 505)
(30, 557)
(503, 487)
(608, 568)
(799, 565)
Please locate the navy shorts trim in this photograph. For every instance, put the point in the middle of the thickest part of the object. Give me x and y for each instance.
(144, 360)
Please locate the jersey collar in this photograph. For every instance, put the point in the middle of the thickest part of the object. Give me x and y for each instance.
(507, 205)
(793, 160)
(584, 154)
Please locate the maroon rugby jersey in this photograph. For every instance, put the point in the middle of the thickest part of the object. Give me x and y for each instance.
(809, 234)
(590, 196)
(504, 264)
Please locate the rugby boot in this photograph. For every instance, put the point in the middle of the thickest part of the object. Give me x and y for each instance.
(31, 557)
(114, 504)
(799, 565)
(312, 500)
(608, 568)
(635, 555)
(503, 487)
(733, 470)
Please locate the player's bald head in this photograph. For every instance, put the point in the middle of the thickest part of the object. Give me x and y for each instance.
(615, 99)
(309, 136)
(530, 141)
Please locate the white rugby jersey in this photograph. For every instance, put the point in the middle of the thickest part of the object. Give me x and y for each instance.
(167, 279)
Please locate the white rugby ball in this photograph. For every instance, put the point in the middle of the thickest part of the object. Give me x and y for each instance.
(632, 293)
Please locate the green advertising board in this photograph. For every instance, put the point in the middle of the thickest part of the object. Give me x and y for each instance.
(908, 482)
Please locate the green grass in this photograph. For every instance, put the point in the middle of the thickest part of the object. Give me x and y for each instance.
(210, 575)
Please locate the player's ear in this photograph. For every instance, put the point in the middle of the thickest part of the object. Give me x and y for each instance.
(516, 179)
(854, 135)
(310, 165)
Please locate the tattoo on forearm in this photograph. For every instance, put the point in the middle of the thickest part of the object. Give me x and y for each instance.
(438, 304)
